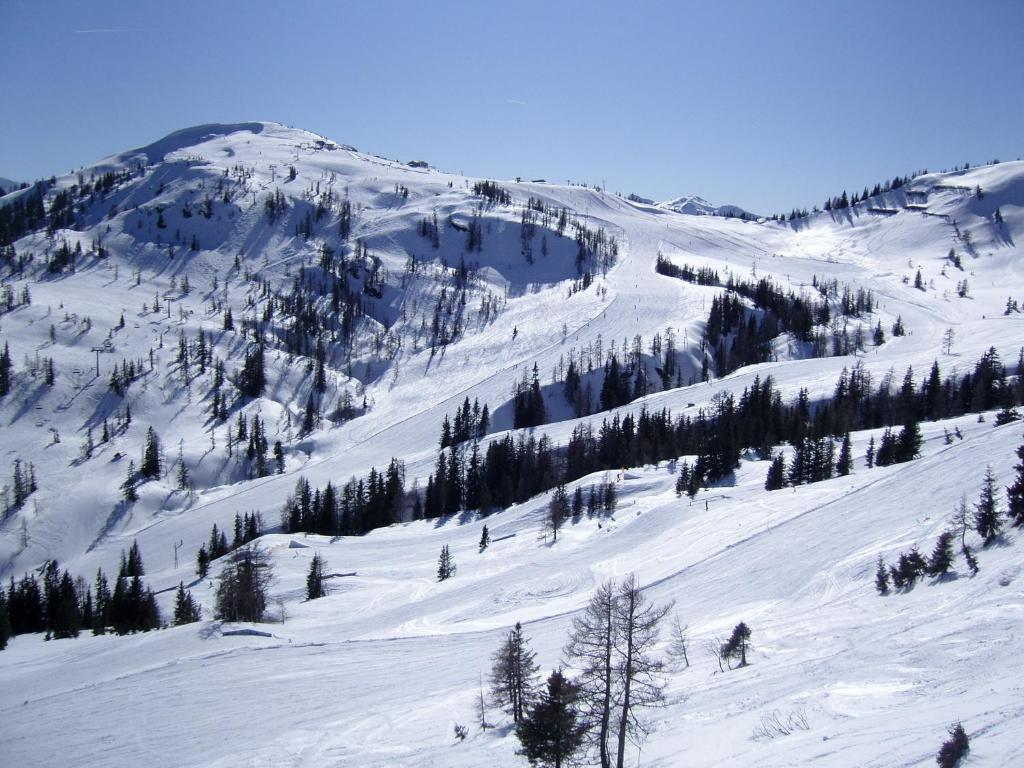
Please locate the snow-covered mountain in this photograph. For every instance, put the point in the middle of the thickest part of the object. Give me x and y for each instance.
(698, 206)
(383, 297)
(8, 185)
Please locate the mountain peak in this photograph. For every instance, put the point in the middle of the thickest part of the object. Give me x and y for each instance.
(695, 205)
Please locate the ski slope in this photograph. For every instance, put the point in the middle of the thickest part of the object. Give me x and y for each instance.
(377, 673)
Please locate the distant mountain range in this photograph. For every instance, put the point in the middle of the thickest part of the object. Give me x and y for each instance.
(698, 206)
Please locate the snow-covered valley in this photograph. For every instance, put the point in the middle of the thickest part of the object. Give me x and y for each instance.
(212, 222)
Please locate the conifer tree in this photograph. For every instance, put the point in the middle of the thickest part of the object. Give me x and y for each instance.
(845, 463)
(987, 519)
(6, 368)
(737, 644)
(185, 609)
(134, 565)
(202, 562)
(315, 587)
(5, 622)
(150, 466)
(128, 491)
(954, 749)
(776, 474)
(101, 609)
(242, 592)
(512, 674)
(881, 577)
(551, 732)
(1015, 493)
(941, 559)
(485, 538)
(445, 564)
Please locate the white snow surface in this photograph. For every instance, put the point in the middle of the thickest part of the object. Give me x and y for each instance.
(378, 672)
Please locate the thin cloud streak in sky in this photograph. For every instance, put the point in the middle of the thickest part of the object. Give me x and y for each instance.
(515, 101)
(104, 31)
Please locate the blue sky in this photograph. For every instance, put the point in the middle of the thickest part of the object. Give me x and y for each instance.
(767, 105)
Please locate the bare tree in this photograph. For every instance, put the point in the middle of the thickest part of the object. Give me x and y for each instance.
(611, 645)
(591, 649)
(481, 707)
(714, 647)
(679, 642)
(639, 671)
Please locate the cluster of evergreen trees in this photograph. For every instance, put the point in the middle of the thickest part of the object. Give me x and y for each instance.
(23, 484)
(493, 193)
(987, 521)
(470, 423)
(737, 335)
(528, 408)
(360, 505)
(514, 469)
(248, 527)
(695, 275)
(24, 214)
(63, 606)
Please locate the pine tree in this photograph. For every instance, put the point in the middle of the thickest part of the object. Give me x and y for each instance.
(776, 474)
(845, 463)
(987, 519)
(101, 610)
(5, 622)
(512, 674)
(242, 591)
(134, 566)
(954, 749)
(558, 507)
(6, 369)
(445, 564)
(908, 443)
(129, 493)
(941, 559)
(882, 577)
(551, 731)
(315, 587)
(202, 562)
(150, 466)
(185, 609)
(63, 607)
(737, 644)
(1015, 493)
(485, 538)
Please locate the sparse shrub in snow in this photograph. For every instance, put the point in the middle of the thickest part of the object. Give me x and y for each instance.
(773, 724)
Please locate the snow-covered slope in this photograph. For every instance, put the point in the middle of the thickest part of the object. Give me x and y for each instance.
(377, 673)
